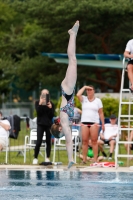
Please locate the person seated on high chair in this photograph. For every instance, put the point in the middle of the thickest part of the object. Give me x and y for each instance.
(4, 131)
(128, 53)
(129, 147)
(109, 136)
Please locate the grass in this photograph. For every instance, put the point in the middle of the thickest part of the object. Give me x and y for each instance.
(61, 156)
(17, 158)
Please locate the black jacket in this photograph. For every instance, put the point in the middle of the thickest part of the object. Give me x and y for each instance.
(44, 114)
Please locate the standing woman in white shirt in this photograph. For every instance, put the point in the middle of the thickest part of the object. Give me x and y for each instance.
(129, 54)
(92, 113)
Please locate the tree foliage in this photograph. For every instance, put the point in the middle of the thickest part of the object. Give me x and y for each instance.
(30, 27)
(110, 105)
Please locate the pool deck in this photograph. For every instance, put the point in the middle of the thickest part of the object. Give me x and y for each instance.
(64, 168)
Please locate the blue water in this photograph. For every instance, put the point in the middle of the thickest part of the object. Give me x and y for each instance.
(65, 185)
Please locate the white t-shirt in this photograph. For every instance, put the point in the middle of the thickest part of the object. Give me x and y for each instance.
(110, 130)
(129, 46)
(90, 110)
(3, 132)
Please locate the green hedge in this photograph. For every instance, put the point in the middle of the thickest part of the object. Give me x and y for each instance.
(110, 106)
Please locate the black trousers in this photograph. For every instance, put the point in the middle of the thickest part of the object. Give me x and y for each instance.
(40, 131)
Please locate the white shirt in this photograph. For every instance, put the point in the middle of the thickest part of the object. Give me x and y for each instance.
(110, 130)
(90, 110)
(3, 132)
(129, 46)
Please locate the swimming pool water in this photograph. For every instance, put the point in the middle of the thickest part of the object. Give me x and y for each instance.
(65, 185)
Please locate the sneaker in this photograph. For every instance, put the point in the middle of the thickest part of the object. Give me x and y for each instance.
(47, 160)
(35, 161)
(109, 158)
(105, 158)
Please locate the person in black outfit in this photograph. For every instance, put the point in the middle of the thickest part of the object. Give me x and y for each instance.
(45, 113)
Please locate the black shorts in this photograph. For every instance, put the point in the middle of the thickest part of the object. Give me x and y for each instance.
(88, 123)
(106, 141)
(130, 62)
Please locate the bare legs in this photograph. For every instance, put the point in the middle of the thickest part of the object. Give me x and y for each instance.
(85, 139)
(67, 132)
(128, 146)
(69, 81)
(94, 137)
(1, 147)
(68, 85)
(130, 74)
(93, 133)
(112, 144)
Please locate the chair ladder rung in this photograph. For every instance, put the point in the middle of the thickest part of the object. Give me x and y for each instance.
(127, 103)
(124, 155)
(125, 142)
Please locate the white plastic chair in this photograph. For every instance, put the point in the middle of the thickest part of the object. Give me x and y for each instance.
(33, 123)
(59, 144)
(30, 142)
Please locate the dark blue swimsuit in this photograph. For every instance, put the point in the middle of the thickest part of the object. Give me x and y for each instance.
(69, 107)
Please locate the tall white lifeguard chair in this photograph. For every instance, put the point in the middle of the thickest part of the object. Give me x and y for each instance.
(125, 121)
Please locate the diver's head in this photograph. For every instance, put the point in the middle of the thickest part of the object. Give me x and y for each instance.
(56, 130)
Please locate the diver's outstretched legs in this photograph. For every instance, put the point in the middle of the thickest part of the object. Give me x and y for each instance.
(69, 82)
(68, 85)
